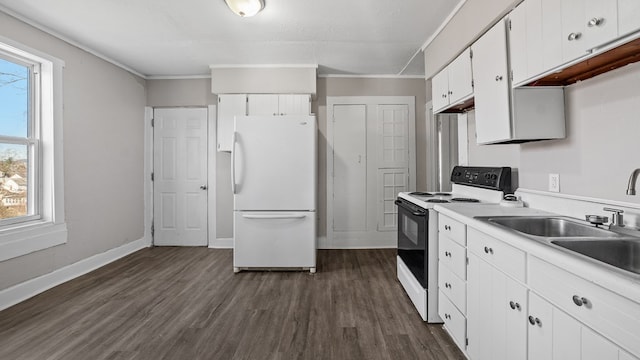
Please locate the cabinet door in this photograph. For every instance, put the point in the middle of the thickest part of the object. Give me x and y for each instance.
(595, 347)
(496, 314)
(518, 42)
(294, 104)
(440, 90)
(552, 36)
(535, 41)
(540, 337)
(263, 104)
(460, 77)
(493, 120)
(628, 16)
(601, 22)
(229, 105)
(573, 37)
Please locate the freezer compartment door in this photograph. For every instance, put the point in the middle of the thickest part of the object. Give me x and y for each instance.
(274, 163)
(274, 239)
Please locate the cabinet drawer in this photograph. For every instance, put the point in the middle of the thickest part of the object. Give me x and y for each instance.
(610, 314)
(454, 321)
(453, 287)
(453, 229)
(453, 256)
(504, 257)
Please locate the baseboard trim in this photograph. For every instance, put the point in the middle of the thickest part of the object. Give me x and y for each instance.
(222, 243)
(354, 244)
(30, 288)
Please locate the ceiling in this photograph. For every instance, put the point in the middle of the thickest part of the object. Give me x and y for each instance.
(162, 38)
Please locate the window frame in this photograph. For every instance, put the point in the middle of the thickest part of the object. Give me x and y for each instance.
(31, 141)
(48, 228)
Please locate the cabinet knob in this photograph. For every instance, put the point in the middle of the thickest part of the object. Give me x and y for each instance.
(595, 22)
(514, 305)
(447, 227)
(444, 96)
(447, 285)
(488, 250)
(534, 321)
(579, 300)
(498, 77)
(446, 253)
(450, 92)
(574, 36)
(447, 316)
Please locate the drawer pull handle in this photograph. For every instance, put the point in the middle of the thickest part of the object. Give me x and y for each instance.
(488, 250)
(578, 300)
(534, 321)
(514, 305)
(446, 253)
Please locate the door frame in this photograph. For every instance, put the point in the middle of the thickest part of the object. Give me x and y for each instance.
(363, 100)
(211, 172)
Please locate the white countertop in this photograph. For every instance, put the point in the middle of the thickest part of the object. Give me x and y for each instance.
(619, 281)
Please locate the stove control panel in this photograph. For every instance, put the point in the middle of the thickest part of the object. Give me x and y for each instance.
(494, 178)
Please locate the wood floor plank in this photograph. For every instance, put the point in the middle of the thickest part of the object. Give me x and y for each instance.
(186, 303)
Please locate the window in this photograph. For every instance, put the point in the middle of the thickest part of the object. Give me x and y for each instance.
(31, 181)
(19, 140)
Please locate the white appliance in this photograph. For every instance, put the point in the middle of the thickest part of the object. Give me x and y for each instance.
(273, 178)
(417, 266)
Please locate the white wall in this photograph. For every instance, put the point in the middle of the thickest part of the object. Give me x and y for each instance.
(103, 156)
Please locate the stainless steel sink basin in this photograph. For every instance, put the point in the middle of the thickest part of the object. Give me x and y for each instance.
(551, 227)
(621, 253)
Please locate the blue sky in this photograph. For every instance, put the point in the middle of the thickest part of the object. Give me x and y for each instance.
(13, 106)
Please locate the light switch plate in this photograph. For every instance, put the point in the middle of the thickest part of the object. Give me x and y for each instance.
(554, 182)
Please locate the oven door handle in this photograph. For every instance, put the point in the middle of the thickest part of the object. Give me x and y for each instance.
(414, 213)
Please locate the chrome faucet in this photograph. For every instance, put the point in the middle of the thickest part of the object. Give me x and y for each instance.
(631, 189)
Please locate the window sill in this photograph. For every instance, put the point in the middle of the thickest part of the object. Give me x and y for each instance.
(23, 239)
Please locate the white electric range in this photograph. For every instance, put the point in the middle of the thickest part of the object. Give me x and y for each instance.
(418, 229)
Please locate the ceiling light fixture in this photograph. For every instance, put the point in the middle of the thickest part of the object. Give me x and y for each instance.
(245, 8)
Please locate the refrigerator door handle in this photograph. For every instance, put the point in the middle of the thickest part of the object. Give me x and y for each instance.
(284, 216)
(233, 163)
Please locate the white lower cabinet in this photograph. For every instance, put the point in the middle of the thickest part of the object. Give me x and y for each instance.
(496, 313)
(554, 335)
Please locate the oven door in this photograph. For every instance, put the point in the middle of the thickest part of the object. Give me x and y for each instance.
(412, 238)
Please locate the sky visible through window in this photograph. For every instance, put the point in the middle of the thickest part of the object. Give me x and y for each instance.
(14, 107)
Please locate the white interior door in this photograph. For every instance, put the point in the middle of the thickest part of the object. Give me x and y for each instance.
(349, 168)
(180, 177)
(370, 158)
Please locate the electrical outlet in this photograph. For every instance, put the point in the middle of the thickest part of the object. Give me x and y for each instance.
(554, 182)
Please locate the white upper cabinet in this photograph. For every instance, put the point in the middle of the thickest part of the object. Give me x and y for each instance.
(491, 86)
(229, 106)
(454, 83)
(504, 114)
(628, 16)
(587, 24)
(533, 48)
(279, 104)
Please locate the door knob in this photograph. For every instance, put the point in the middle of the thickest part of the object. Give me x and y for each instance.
(203, 187)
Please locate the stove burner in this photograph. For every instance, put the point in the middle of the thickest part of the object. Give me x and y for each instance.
(442, 194)
(420, 193)
(469, 200)
(437, 201)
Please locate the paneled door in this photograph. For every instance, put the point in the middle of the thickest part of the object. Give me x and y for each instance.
(370, 158)
(180, 177)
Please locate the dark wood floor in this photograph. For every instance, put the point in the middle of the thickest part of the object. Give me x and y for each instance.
(186, 303)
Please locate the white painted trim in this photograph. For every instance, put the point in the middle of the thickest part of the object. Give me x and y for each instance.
(148, 169)
(178, 77)
(372, 76)
(410, 61)
(268, 66)
(33, 287)
(212, 195)
(221, 243)
(68, 40)
(446, 22)
(355, 242)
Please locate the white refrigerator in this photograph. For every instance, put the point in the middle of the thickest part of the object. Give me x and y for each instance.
(273, 179)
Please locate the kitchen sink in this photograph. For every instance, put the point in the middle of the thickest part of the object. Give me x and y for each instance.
(551, 227)
(621, 253)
